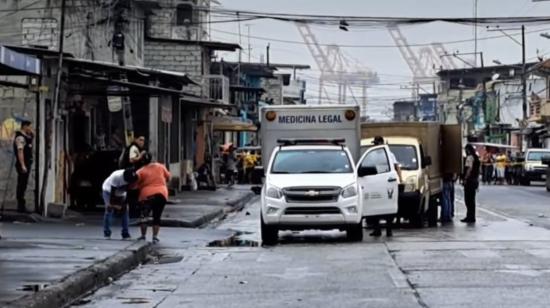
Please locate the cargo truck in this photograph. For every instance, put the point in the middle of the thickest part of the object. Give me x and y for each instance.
(425, 151)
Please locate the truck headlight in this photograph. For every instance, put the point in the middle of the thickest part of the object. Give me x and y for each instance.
(349, 191)
(274, 193)
(529, 167)
(410, 183)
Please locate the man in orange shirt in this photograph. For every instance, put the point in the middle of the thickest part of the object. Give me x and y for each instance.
(153, 194)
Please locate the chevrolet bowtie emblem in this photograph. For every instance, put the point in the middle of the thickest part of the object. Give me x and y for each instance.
(312, 193)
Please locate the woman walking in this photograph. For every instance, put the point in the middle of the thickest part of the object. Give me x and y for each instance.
(153, 194)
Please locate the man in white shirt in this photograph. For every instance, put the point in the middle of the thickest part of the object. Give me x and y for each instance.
(114, 196)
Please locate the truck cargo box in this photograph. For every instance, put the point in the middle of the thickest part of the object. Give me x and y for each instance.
(441, 142)
(309, 121)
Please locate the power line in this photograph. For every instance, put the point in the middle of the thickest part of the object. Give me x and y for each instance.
(370, 20)
(380, 46)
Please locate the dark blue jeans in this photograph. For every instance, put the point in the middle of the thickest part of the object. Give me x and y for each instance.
(108, 217)
(447, 204)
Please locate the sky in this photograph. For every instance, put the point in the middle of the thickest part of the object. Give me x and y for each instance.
(393, 71)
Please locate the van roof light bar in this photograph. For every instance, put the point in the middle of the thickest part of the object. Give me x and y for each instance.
(319, 141)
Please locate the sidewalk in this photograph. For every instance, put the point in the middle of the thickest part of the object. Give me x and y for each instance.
(195, 208)
(52, 262)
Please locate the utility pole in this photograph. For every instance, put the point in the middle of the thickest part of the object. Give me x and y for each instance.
(475, 30)
(50, 135)
(249, 46)
(523, 77)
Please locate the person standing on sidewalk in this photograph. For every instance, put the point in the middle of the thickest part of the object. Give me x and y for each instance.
(22, 148)
(447, 204)
(132, 157)
(153, 194)
(231, 166)
(114, 196)
(471, 183)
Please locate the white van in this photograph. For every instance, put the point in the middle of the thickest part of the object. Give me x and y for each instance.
(311, 179)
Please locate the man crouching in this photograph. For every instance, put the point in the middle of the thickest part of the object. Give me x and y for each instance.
(114, 195)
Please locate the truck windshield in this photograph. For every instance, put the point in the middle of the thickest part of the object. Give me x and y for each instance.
(406, 156)
(537, 156)
(311, 161)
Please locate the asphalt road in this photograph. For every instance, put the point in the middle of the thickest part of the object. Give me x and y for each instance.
(502, 261)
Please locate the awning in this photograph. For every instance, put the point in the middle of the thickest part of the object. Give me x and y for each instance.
(231, 124)
(17, 64)
(106, 67)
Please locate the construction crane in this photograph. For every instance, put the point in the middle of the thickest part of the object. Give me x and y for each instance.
(424, 65)
(336, 69)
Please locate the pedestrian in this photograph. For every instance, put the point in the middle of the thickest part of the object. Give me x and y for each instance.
(379, 140)
(205, 177)
(114, 195)
(153, 194)
(132, 157)
(501, 168)
(249, 164)
(471, 183)
(375, 221)
(447, 202)
(230, 166)
(22, 148)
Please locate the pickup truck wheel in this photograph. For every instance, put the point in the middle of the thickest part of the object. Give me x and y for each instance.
(270, 234)
(547, 189)
(355, 233)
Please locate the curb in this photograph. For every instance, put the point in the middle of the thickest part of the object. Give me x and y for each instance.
(86, 280)
(239, 204)
(231, 206)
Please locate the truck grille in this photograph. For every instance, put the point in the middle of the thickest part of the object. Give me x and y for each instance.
(311, 210)
(311, 194)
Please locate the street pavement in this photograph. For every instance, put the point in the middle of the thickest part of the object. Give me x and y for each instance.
(70, 256)
(502, 261)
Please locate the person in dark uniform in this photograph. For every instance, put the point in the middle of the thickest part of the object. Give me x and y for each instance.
(22, 147)
(471, 183)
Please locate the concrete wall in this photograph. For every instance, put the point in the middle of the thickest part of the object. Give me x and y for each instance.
(185, 58)
(274, 90)
(511, 102)
(14, 103)
(163, 22)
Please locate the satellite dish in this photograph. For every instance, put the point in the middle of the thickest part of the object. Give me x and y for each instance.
(495, 77)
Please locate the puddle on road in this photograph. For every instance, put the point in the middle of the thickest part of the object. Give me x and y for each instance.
(33, 287)
(234, 241)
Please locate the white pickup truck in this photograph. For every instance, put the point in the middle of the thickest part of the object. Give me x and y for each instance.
(311, 179)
